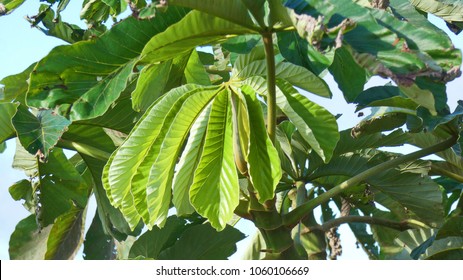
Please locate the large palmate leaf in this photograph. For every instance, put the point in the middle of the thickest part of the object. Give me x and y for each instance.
(91, 75)
(162, 129)
(215, 189)
(40, 133)
(196, 28)
(202, 242)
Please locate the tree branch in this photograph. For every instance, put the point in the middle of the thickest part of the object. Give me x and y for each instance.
(401, 226)
(292, 218)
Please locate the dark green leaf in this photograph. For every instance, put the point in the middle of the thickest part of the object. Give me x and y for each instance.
(97, 244)
(352, 81)
(66, 235)
(154, 241)
(40, 133)
(202, 242)
(241, 44)
(298, 51)
(61, 186)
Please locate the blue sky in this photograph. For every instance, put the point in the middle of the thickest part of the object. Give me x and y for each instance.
(22, 45)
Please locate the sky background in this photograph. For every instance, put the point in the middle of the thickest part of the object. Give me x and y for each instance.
(21, 45)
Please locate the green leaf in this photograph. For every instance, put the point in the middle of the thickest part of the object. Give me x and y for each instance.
(157, 79)
(23, 190)
(316, 125)
(98, 245)
(24, 161)
(7, 111)
(295, 75)
(423, 97)
(154, 241)
(15, 86)
(231, 10)
(242, 44)
(99, 98)
(61, 186)
(449, 10)
(347, 143)
(384, 96)
(127, 174)
(195, 72)
(66, 235)
(194, 29)
(167, 149)
(112, 220)
(298, 51)
(203, 242)
(28, 241)
(9, 6)
(378, 40)
(350, 82)
(188, 162)
(381, 119)
(121, 117)
(263, 162)
(450, 248)
(431, 122)
(215, 190)
(38, 134)
(93, 73)
(406, 192)
(452, 227)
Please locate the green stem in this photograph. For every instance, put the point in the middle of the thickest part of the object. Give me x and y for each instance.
(293, 217)
(400, 226)
(271, 90)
